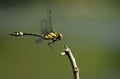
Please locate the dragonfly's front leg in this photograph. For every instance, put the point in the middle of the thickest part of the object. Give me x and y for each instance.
(51, 42)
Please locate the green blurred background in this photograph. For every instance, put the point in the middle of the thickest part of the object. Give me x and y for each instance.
(91, 28)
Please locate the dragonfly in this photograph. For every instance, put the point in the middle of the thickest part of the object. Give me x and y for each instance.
(46, 29)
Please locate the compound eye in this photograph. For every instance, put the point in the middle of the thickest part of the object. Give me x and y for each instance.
(60, 36)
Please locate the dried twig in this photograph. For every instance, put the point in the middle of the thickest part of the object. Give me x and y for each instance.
(72, 61)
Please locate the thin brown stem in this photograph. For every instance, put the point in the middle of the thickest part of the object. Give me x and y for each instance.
(72, 61)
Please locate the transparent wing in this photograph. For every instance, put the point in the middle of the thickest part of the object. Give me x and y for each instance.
(43, 27)
(39, 40)
(49, 20)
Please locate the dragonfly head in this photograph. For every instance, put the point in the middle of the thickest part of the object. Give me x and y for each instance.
(60, 36)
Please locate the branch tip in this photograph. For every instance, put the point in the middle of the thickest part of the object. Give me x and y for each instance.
(65, 46)
(62, 54)
(68, 52)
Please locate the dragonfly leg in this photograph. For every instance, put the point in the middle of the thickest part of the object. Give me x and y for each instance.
(51, 42)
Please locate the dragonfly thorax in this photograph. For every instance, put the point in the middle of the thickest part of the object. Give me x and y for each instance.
(53, 36)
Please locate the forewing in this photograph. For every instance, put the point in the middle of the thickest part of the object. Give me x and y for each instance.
(43, 27)
(49, 21)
